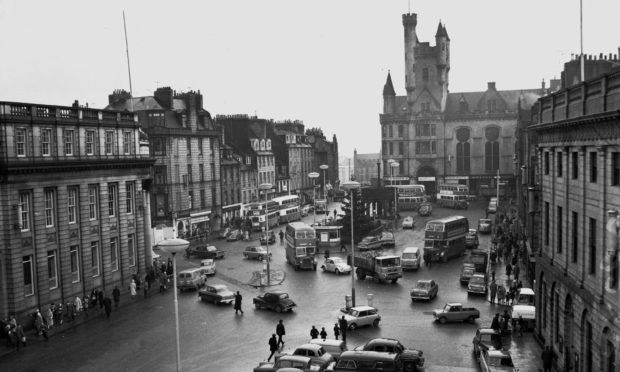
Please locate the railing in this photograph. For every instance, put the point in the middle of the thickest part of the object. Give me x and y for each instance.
(16, 110)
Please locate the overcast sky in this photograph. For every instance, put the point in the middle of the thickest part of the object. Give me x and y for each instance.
(320, 61)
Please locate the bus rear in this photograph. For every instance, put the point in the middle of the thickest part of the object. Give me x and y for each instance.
(445, 238)
(301, 246)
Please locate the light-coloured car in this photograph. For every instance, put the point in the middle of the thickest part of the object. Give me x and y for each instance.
(361, 316)
(408, 223)
(485, 225)
(410, 258)
(234, 235)
(255, 253)
(369, 242)
(471, 239)
(493, 360)
(477, 284)
(192, 278)
(316, 353)
(336, 265)
(387, 239)
(208, 264)
(334, 347)
(425, 289)
(216, 293)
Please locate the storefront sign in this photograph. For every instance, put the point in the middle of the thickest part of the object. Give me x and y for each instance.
(426, 179)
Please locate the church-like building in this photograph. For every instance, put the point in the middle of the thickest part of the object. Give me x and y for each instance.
(438, 136)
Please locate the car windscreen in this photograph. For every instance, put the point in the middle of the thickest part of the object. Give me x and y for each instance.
(476, 280)
(410, 256)
(423, 285)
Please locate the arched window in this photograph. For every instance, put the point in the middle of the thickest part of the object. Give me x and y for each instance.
(491, 149)
(463, 154)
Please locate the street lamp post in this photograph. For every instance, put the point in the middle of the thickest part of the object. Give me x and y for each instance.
(324, 167)
(266, 187)
(394, 165)
(314, 176)
(351, 186)
(175, 246)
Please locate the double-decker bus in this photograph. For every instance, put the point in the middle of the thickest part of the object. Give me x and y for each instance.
(300, 246)
(445, 238)
(321, 206)
(409, 197)
(453, 196)
(256, 212)
(289, 208)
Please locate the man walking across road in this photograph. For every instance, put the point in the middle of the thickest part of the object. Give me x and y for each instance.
(281, 234)
(107, 304)
(314, 333)
(342, 323)
(336, 331)
(238, 299)
(280, 331)
(273, 346)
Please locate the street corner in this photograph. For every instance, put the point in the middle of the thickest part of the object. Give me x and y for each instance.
(259, 278)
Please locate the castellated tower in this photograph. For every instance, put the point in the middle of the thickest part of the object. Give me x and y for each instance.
(410, 20)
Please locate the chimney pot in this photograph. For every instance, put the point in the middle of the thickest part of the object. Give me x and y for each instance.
(491, 85)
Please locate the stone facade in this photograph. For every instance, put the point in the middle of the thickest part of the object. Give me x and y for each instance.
(578, 186)
(75, 214)
(325, 153)
(366, 168)
(231, 178)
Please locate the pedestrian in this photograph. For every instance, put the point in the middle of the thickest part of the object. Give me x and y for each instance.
(20, 337)
(85, 304)
(314, 333)
(238, 299)
(500, 253)
(516, 272)
(116, 295)
(336, 331)
(93, 298)
(508, 270)
(493, 289)
(281, 234)
(323, 333)
(107, 304)
(519, 285)
(495, 322)
(132, 289)
(505, 321)
(273, 346)
(519, 326)
(547, 359)
(147, 285)
(280, 331)
(342, 323)
(78, 304)
(100, 298)
(501, 294)
(343, 247)
(493, 275)
(512, 294)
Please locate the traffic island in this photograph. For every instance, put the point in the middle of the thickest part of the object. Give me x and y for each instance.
(259, 278)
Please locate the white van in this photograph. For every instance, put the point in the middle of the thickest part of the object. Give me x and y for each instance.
(525, 296)
(410, 258)
(194, 278)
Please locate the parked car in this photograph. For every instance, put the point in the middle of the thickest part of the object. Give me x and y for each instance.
(471, 239)
(467, 272)
(290, 362)
(425, 289)
(485, 225)
(334, 347)
(224, 233)
(216, 293)
(208, 264)
(336, 265)
(255, 252)
(205, 251)
(408, 223)
(425, 209)
(366, 361)
(316, 353)
(478, 284)
(492, 208)
(234, 235)
(370, 242)
(455, 312)
(410, 258)
(360, 316)
(495, 360)
(412, 359)
(277, 301)
(271, 239)
(488, 338)
(387, 239)
(191, 278)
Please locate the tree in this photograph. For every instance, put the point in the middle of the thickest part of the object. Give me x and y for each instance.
(317, 132)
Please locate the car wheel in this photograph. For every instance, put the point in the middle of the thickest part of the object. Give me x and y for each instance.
(260, 258)
(278, 309)
(394, 281)
(375, 323)
(245, 255)
(471, 319)
(215, 301)
(409, 367)
(323, 267)
(353, 326)
(257, 305)
(337, 272)
(443, 320)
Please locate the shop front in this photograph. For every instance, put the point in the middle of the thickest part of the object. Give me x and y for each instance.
(231, 214)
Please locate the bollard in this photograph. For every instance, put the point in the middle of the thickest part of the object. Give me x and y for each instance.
(370, 297)
(348, 301)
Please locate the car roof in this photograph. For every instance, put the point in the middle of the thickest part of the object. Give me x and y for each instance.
(328, 342)
(276, 291)
(191, 270)
(218, 286)
(498, 353)
(484, 220)
(454, 304)
(362, 308)
(298, 358)
(526, 291)
(411, 249)
(478, 275)
(485, 331)
(384, 340)
(368, 355)
(424, 281)
(309, 346)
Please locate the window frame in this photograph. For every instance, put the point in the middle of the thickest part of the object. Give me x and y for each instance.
(72, 205)
(28, 267)
(93, 202)
(95, 260)
(68, 141)
(21, 134)
(90, 142)
(50, 202)
(593, 167)
(112, 199)
(130, 193)
(127, 142)
(114, 254)
(131, 250)
(592, 246)
(46, 142)
(74, 263)
(25, 197)
(108, 142)
(52, 269)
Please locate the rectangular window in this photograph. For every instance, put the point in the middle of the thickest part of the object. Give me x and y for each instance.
(49, 208)
(560, 237)
(213, 197)
(28, 275)
(391, 130)
(24, 210)
(112, 196)
(593, 167)
(52, 272)
(559, 163)
(391, 148)
(433, 147)
(401, 148)
(188, 145)
(401, 131)
(213, 172)
(69, 138)
(114, 254)
(202, 199)
(93, 201)
(160, 174)
(385, 148)
(615, 168)
(546, 223)
(546, 162)
(90, 142)
(592, 246)
(131, 249)
(201, 172)
(199, 146)
(72, 204)
(189, 173)
(109, 142)
(432, 127)
(130, 188)
(46, 142)
(94, 258)
(575, 165)
(20, 142)
(127, 142)
(75, 263)
(575, 235)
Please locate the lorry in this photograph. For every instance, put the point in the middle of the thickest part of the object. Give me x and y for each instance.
(480, 260)
(374, 264)
(455, 312)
